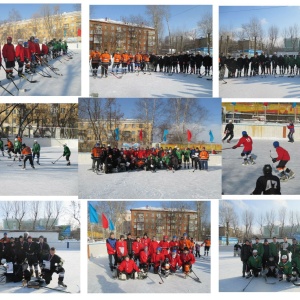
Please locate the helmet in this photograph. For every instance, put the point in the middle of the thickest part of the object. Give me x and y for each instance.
(254, 251)
(158, 249)
(174, 237)
(185, 234)
(165, 237)
(20, 41)
(16, 139)
(9, 38)
(276, 144)
(25, 44)
(284, 257)
(36, 40)
(35, 141)
(267, 169)
(244, 133)
(174, 251)
(230, 121)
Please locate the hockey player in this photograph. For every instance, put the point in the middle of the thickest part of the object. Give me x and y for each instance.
(125, 62)
(283, 158)
(145, 240)
(96, 155)
(207, 244)
(121, 248)
(274, 249)
(137, 246)
(117, 61)
(254, 265)
(145, 259)
(204, 157)
(17, 149)
(129, 243)
(32, 256)
(294, 249)
(268, 184)
(111, 250)
(285, 268)
(9, 56)
(26, 152)
(284, 247)
(43, 250)
(174, 260)
(174, 244)
(52, 263)
(21, 249)
(153, 245)
(259, 247)
(186, 157)
(36, 148)
(20, 56)
(188, 259)
(184, 242)
(164, 244)
(128, 267)
(156, 259)
(271, 267)
(67, 154)
(10, 147)
(1, 146)
(291, 128)
(229, 131)
(105, 63)
(246, 141)
(95, 58)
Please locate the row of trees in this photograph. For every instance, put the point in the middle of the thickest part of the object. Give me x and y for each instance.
(49, 211)
(49, 18)
(270, 40)
(242, 226)
(156, 16)
(118, 212)
(157, 115)
(36, 119)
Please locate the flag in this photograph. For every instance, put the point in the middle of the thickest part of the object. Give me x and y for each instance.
(111, 225)
(104, 221)
(93, 214)
(78, 32)
(117, 133)
(166, 131)
(189, 135)
(141, 135)
(211, 136)
(294, 104)
(265, 103)
(233, 103)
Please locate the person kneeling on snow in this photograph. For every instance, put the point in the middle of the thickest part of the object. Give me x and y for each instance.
(127, 268)
(175, 261)
(52, 263)
(187, 259)
(254, 264)
(285, 268)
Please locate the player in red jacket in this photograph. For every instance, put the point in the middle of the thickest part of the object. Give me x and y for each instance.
(164, 244)
(9, 55)
(188, 259)
(282, 157)
(145, 240)
(157, 259)
(20, 56)
(153, 245)
(137, 246)
(246, 141)
(111, 250)
(174, 244)
(145, 259)
(128, 267)
(121, 248)
(174, 260)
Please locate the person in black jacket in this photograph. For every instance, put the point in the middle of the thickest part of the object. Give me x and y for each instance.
(240, 65)
(246, 252)
(129, 242)
(268, 184)
(108, 164)
(228, 131)
(266, 255)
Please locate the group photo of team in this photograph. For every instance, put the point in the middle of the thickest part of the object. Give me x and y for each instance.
(259, 145)
(124, 143)
(146, 255)
(259, 56)
(129, 42)
(38, 47)
(260, 244)
(39, 253)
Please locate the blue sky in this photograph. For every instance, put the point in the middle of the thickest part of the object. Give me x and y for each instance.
(213, 121)
(183, 17)
(27, 10)
(232, 17)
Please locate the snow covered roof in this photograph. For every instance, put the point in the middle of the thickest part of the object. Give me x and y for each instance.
(162, 209)
(109, 21)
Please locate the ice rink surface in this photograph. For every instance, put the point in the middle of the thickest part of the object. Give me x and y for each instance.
(47, 179)
(240, 180)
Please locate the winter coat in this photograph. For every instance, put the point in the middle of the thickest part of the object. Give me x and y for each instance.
(254, 262)
(188, 258)
(111, 246)
(246, 252)
(282, 154)
(165, 247)
(20, 53)
(121, 248)
(246, 141)
(128, 266)
(156, 259)
(8, 52)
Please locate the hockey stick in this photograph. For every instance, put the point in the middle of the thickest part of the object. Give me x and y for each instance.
(23, 76)
(159, 272)
(20, 90)
(6, 89)
(54, 289)
(57, 159)
(247, 284)
(198, 279)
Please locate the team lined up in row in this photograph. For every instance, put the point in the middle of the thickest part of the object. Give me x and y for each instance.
(148, 159)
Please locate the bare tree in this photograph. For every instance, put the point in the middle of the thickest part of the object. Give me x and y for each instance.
(261, 222)
(292, 222)
(282, 216)
(270, 220)
(273, 33)
(254, 30)
(294, 35)
(6, 208)
(75, 211)
(248, 217)
(34, 209)
(226, 215)
(19, 210)
(205, 25)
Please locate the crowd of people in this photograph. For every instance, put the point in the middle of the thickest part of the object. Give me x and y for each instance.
(30, 54)
(259, 64)
(133, 258)
(25, 257)
(270, 259)
(128, 62)
(112, 160)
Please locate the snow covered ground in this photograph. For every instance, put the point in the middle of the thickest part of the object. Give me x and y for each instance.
(183, 184)
(231, 280)
(45, 180)
(67, 85)
(100, 280)
(257, 87)
(72, 277)
(156, 85)
(240, 180)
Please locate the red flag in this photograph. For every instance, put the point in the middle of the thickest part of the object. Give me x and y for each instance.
(78, 32)
(265, 103)
(189, 135)
(141, 135)
(104, 221)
